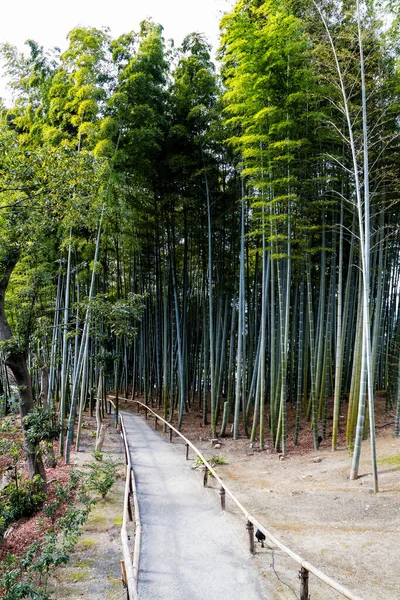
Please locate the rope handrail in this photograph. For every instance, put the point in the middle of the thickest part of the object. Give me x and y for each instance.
(306, 567)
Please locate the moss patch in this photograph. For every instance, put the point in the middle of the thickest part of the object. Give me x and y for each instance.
(79, 575)
(95, 520)
(88, 543)
(84, 563)
(390, 460)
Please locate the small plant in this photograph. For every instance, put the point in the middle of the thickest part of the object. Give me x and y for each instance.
(40, 426)
(218, 460)
(3, 405)
(41, 429)
(11, 449)
(50, 510)
(97, 455)
(20, 499)
(6, 425)
(5, 446)
(74, 478)
(13, 403)
(63, 495)
(27, 576)
(101, 476)
(212, 460)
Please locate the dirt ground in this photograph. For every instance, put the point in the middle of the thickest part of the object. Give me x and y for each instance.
(339, 525)
(308, 501)
(94, 569)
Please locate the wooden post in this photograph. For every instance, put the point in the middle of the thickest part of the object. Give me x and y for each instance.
(126, 456)
(303, 576)
(155, 423)
(222, 494)
(205, 476)
(250, 529)
(138, 406)
(123, 573)
(170, 435)
(187, 451)
(146, 413)
(130, 514)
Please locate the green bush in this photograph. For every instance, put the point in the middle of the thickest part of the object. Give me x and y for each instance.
(51, 509)
(97, 455)
(27, 576)
(63, 495)
(11, 449)
(101, 476)
(217, 459)
(13, 403)
(20, 499)
(41, 425)
(6, 425)
(3, 405)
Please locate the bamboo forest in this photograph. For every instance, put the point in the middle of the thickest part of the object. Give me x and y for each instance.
(212, 235)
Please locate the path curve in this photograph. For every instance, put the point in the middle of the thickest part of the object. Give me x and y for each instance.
(188, 550)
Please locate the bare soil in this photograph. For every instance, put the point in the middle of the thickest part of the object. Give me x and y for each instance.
(308, 501)
(94, 569)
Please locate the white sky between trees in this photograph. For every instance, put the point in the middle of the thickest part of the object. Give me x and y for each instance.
(48, 22)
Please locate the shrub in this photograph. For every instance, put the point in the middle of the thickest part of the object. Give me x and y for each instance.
(51, 509)
(63, 495)
(40, 426)
(27, 576)
(3, 405)
(212, 460)
(6, 425)
(20, 499)
(13, 403)
(97, 455)
(101, 476)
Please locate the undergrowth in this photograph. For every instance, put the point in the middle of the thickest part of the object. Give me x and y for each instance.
(217, 459)
(27, 576)
(391, 460)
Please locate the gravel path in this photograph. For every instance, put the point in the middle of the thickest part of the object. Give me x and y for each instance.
(189, 551)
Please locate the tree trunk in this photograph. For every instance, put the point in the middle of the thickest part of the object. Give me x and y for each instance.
(44, 386)
(16, 361)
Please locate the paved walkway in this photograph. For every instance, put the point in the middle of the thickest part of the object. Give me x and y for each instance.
(188, 550)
